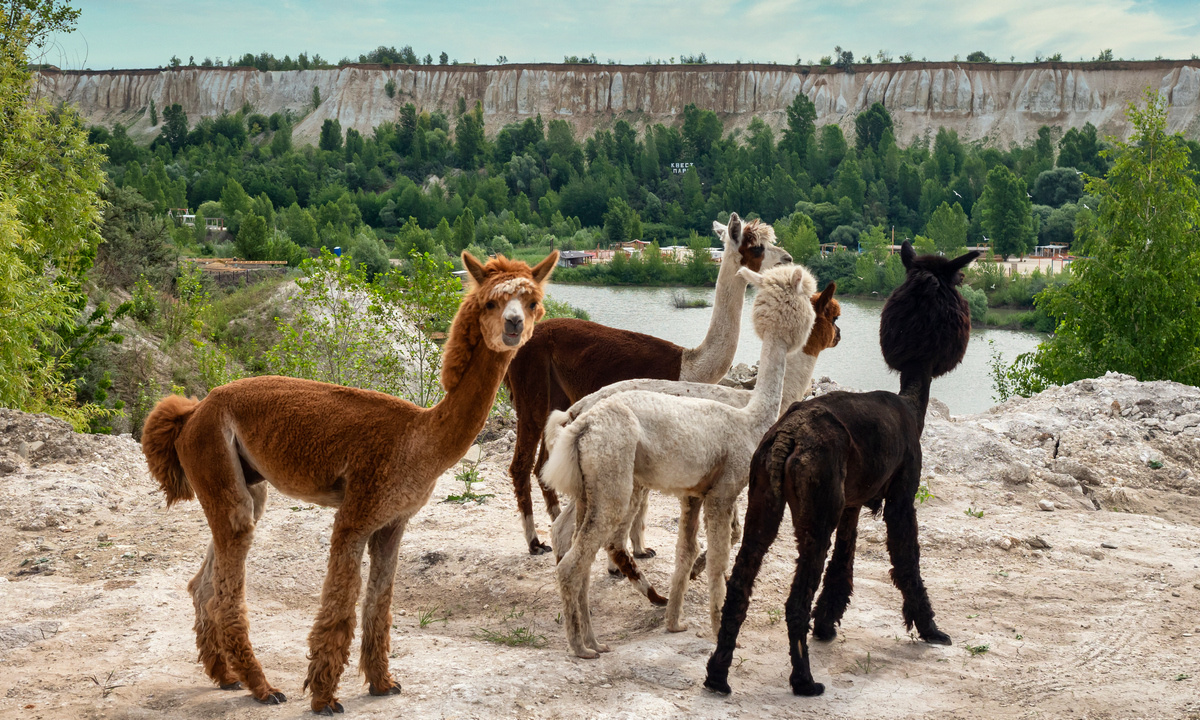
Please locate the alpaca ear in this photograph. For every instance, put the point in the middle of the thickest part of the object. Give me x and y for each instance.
(907, 254)
(750, 276)
(825, 296)
(735, 227)
(719, 229)
(964, 260)
(541, 271)
(804, 281)
(473, 267)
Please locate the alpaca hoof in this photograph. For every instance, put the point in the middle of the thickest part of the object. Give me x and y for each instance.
(330, 709)
(393, 689)
(587, 654)
(681, 627)
(601, 647)
(810, 689)
(537, 547)
(720, 687)
(655, 598)
(273, 697)
(936, 637)
(824, 633)
(645, 553)
(615, 572)
(235, 685)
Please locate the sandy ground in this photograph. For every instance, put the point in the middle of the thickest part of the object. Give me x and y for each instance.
(1100, 620)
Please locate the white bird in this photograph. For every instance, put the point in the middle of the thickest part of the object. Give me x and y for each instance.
(1078, 173)
(1085, 205)
(993, 286)
(1028, 195)
(956, 193)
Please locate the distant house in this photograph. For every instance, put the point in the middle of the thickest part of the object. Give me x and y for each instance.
(574, 258)
(188, 218)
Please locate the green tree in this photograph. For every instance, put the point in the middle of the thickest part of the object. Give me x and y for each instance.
(153, 114)
(801, 125)
(251, 243)
(469, 138)
(1007, 213)
(948, 227)
(50, 214)
(798, 236)
(331, 135)
(316, 97)
(870, 125)
(1133, 305)
(281, 141)
(701, 128)
(464, 230)
(175, 127)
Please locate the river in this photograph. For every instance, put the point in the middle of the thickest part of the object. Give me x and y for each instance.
(855, 363)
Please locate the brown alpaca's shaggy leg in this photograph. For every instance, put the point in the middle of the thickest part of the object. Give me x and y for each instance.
(207, 630)
(201, 589)
(331, 634)
(839, 578)
(384, 549)
(686, 550)
(530, 423)
(813, 522)
(764, 511)
(901, 519)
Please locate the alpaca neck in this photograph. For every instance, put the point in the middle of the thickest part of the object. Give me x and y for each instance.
(914, 387)
(710, 360)
(453, 423)
(797, 379)
(768, 389)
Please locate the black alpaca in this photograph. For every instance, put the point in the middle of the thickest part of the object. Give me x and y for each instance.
(828, 457)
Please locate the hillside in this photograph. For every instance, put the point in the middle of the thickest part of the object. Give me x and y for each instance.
(1001, 103)
(1076, 587)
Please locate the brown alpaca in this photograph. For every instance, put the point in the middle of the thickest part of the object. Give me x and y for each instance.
(829, 457)
(567, 359)
(374, 457)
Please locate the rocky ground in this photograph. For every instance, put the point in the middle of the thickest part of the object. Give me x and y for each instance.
(1059, 544)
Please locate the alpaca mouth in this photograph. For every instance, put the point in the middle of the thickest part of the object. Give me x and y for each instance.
(511, 339)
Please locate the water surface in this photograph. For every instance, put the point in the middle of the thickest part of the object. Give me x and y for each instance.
(855, 363)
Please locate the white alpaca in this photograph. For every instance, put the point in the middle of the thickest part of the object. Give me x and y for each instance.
(697, 449)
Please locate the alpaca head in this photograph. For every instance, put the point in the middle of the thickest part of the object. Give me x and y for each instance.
(783, 307)
(750, 244)
(825, 333)
(926, 323)
(506, 296)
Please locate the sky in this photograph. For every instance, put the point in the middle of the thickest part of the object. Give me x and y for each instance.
(146, 33)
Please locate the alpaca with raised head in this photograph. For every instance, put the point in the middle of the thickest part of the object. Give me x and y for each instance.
(568, 359)
(829, 457)
(373, 456)
(698, 450)
(797, 384)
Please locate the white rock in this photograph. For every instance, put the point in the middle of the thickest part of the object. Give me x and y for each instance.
(1045, 505)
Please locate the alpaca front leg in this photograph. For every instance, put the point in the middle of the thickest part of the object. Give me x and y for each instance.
(384, 549)
(839, 578)
(637, 529)
(686, 549)
(900, 517)
(529, 434)
(332, 632)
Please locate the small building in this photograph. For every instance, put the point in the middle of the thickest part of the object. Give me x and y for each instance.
(575, 258)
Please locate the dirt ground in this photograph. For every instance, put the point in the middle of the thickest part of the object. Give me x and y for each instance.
(1072, 613)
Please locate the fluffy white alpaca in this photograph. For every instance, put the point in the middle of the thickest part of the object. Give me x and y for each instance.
(697, 449)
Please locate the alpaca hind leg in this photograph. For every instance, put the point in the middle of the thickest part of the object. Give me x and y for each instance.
(572, 577)
(839, 578)
(384, 549)
(207, 630)
(716, 519)
(637, 529)
(686, 549)
(332, 632)
(233, 531)
(812, 544)
(764, 511)
(529, 440)
(901, 519)
(585, 613)
(548, 494)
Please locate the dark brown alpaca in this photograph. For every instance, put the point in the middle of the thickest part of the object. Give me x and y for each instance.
(829, 457)
(374, 457)
(567, 359)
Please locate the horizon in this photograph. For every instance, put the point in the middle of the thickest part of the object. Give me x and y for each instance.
(140, 34)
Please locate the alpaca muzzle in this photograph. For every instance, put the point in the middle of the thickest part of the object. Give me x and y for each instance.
(513, 327)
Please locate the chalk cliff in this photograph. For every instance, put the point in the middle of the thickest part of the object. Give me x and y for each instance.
(999, 103)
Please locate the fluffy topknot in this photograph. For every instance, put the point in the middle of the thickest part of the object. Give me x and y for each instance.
(926, 323)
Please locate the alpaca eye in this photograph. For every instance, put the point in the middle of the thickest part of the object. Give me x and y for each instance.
(491, 305)
(757, 251)
(533, 305)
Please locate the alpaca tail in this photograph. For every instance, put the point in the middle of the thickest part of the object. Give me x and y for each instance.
(561, 472)
(159, 433)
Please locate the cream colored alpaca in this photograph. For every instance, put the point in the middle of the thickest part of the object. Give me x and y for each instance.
(697, 449)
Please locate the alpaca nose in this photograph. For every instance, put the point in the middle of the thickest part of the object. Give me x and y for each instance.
(786, 258)
(513, 327)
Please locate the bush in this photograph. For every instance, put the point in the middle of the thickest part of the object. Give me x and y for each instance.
(978, 302)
